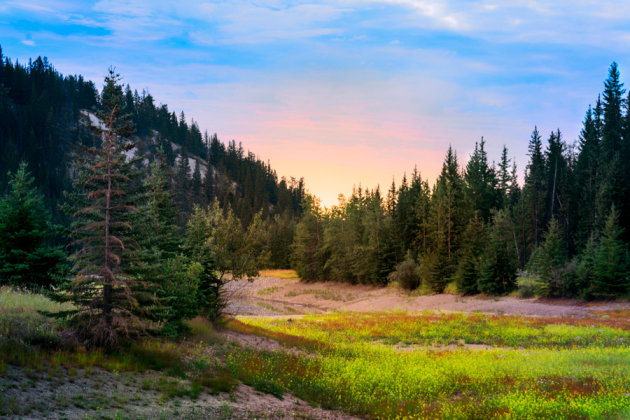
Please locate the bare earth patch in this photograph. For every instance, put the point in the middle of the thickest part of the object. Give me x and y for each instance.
(266, 296)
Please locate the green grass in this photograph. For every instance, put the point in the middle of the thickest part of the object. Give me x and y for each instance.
(280, 273)
(268, 290)
(397, 365)
(30, 339)
(21, 321)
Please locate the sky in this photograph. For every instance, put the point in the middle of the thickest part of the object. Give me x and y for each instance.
(344, 92)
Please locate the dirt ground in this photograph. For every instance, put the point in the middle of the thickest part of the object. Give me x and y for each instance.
(267, 296)
(102, 394)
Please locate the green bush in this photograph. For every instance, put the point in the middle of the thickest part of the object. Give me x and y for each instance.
(406, 274)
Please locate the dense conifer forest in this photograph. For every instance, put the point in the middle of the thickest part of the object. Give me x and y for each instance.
(564, 232)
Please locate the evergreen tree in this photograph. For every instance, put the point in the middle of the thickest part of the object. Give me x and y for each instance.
(306, 257)
(449, 215)
(504, 179)
(481, 183)
(611, 271)
(535, 191)
(196, 184)
(210, 298)
(467, 274)
(613, 189)
(587, 180)
(27, 257)
(106, 305)
(549, 259)
(497, 268)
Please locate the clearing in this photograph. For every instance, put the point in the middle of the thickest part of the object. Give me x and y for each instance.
(333, 351)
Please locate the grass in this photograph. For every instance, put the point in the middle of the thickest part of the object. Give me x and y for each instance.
(269, 290)
(324, 294)
(31, 340)
(21, 320)
(399, 365)
(282, 274)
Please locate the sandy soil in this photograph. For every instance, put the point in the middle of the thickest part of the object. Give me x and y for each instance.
(266, 296)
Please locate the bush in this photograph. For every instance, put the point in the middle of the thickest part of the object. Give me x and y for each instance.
(406, 274)
(530, 285)
(179, 294)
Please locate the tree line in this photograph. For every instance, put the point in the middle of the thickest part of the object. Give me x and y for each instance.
(564, 232)
(132, 263)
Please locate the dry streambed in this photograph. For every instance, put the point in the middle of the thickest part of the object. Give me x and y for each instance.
(265, 296)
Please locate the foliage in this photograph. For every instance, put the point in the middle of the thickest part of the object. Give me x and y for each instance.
(179, 294)
(399, 365)
(548, 261)
(406, 274)
(306, 256)
(104, 295)
(467, 274)
(209, 299)
(497, 270)
(611, 275)
(27, 257)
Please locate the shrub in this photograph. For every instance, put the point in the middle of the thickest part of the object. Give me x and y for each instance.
(530, 285)
(406, 274)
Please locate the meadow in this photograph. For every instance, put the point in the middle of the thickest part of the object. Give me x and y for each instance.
(383, 365)
(432, 365)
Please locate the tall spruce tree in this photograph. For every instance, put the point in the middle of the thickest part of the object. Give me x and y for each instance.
(535, 191)
(481, 183)
(498, 264)
(613, 189)
(587, 180)
(103, 293)
(449, 215)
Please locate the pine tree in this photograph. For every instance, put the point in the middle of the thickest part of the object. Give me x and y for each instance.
(613, 189)
(549, 259)
(504, 178)
(449, 215)
(306, 257)
(611, 270)
(481, 183)
(102, 292)
(497, 268)
(587, 180)
(27, 257)
(535, 191)
(210, 298)
(467, 274)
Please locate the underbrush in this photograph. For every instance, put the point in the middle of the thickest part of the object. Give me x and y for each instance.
(396, 365)
(21, 320)
(33, 341)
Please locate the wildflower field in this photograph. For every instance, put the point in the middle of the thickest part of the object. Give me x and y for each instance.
(432, 365)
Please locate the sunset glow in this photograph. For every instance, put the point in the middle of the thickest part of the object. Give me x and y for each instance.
(342, 93)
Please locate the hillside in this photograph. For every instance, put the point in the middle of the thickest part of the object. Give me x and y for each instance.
(45, 118)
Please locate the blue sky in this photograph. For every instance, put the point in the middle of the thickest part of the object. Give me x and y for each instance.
(343, 92)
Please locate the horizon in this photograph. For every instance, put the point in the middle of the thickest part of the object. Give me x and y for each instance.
(343, 93)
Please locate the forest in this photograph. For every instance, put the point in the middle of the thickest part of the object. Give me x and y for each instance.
(563, 233)
(108, 192)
